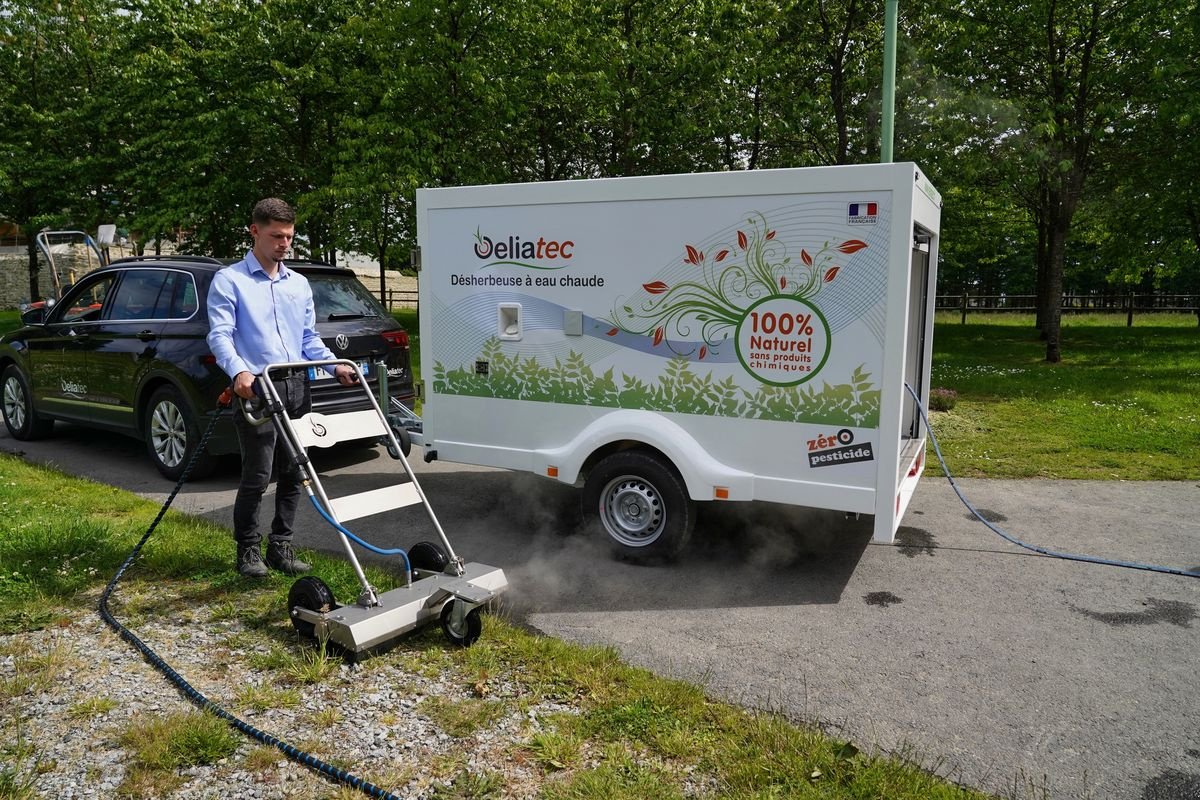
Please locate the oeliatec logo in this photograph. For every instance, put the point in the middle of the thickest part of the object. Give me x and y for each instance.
(514, 249)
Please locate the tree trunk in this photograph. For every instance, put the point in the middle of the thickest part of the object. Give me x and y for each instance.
(31, 248)
(1043, 271)
(1056, 253)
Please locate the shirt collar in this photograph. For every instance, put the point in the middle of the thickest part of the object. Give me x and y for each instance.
(254, 265)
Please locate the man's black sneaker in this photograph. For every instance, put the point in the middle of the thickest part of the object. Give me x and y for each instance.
(281, 557)
(250, 561)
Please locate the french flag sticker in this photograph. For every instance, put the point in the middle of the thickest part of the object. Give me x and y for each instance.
(863, 213)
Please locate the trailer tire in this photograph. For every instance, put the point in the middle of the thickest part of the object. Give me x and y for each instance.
(642, 504)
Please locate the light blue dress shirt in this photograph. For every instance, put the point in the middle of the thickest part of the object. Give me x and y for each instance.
(255, 320)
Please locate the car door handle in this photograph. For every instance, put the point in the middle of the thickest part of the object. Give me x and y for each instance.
(146, 336)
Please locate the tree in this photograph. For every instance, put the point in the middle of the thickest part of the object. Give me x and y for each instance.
(56, 81)
(1146, 218)
(1066, 67)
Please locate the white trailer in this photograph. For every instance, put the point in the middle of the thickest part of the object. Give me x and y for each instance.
(671, 339)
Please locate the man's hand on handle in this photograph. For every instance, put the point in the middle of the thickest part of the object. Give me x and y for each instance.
(243, 385)
(345, 375)
(243, 382)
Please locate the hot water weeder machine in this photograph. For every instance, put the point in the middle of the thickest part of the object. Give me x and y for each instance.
(438, 584)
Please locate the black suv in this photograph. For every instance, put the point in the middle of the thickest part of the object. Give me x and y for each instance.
(125, 350)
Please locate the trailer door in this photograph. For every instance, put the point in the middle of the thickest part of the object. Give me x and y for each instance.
(914, 361)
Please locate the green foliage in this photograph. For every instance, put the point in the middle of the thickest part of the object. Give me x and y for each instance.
(679, 389)
(172, 118)
(942, 399)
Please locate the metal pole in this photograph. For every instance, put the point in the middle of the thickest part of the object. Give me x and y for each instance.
(891, 12)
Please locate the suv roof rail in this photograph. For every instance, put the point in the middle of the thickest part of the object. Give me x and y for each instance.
(310, 262)
(188, 259)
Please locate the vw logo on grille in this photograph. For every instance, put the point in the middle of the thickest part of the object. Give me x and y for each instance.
(342, 341)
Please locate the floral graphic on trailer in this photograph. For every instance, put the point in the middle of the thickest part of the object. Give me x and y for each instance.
(732, 278)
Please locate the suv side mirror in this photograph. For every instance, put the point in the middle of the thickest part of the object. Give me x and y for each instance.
(35, 313)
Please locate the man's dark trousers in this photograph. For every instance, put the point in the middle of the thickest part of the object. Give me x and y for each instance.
(260, 450)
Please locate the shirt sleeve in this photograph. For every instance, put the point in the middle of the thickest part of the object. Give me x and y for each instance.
(222, 320)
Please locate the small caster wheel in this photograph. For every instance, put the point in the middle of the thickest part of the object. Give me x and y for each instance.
(310, 594)
(403, 438)
(464, 631)
(428, 556)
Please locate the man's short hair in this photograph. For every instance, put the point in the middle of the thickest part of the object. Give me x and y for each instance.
(272, 209)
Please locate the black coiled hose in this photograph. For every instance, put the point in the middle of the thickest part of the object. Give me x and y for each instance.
(189, 691)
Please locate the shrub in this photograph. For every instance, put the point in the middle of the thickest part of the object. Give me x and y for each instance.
(942, 399)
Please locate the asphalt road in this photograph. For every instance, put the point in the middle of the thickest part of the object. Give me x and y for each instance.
(1002, 669)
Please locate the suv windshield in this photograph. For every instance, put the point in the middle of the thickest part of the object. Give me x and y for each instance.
(337, 298)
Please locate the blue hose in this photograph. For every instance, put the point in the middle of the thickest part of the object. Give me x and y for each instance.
(1108, 562)
(381, 551)
(193, 694)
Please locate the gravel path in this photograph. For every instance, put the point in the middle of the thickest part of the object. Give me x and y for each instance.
(366, 718)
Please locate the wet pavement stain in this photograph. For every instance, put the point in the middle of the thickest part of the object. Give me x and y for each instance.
(881, 599)
(988, 514)
(1173, 785)
(1174, 612)
(915, 541)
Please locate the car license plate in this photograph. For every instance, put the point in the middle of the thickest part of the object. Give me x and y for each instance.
(323, 374)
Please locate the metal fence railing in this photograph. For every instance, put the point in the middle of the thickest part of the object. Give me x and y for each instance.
(1127, 304)
(396, 298)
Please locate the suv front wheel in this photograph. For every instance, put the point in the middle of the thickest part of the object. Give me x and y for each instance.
(16, 401)
(172, 436)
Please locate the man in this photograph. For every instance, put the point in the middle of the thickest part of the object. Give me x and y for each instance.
(261, 313)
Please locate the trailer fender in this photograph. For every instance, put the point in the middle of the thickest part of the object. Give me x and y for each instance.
(705, 477)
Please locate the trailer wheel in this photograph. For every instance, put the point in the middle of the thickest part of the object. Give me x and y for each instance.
(642, 504)
(462, 630)
(310, 594)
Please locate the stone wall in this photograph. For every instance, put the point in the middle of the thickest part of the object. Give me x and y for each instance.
(73, 263)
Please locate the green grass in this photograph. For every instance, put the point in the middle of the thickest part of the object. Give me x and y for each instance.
(64, 535)
(631, 733)
(9, 321)
(461, 718)
(162, 746)
(1122, 404)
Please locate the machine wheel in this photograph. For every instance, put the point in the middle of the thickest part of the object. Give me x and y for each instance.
(642, 504)
(466, 633)
(313, 595)
(403, 438)
(428, 556)
(171, 436)
(16, 402)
